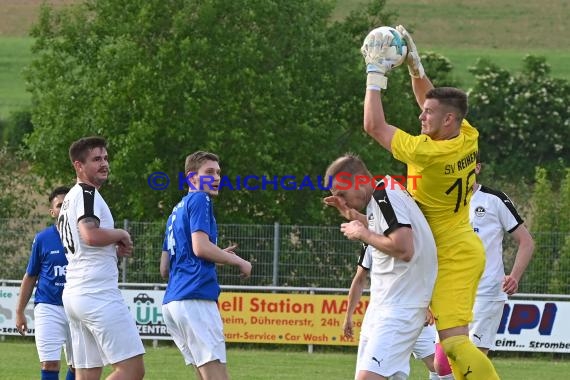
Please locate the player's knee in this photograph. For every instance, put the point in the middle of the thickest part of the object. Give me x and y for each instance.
(51, 365)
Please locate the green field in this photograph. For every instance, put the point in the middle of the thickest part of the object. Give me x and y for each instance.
(15, 54)
(19, 361)
(504, 31)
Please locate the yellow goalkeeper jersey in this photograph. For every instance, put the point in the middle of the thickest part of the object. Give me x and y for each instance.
(441, 174)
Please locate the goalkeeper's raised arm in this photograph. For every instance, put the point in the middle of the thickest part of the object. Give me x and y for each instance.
(374, 50)
(420, 82)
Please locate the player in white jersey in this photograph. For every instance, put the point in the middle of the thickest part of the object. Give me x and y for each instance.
(492, 213)
(404, 264)
(102, 329)
(46, 271)
(424, 348)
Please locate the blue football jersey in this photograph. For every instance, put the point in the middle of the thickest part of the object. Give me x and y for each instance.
(190, 276)
(48, 263)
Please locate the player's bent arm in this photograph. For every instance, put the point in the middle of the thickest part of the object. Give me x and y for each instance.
(26, 289)
(354, 294)
(356, 289)
(524, 253)
(355, 215)
(100, 237)
(165, 265)
(205, 249)
(375, 123)
(421, 86)
(398, 243)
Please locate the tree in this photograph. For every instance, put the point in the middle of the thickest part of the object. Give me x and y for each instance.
(272, 86)
(521, 117)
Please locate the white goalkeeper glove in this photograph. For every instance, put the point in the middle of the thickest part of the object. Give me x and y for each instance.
(413, 59)
(374, 50)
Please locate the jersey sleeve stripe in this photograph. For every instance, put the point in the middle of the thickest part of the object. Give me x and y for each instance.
(88, 202)
(507, 202)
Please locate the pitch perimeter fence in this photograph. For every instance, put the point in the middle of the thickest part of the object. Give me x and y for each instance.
(282, 255)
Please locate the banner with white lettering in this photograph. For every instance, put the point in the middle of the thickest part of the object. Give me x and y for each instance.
(532, 326)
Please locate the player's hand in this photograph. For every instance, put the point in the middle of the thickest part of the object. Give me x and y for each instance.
(125, 245)
(231, 249)
(340, 204)
(510, 285)
(21, 323)
(354, 230)
(413, 59)
(244, 268)
(347, 327)
(374, 49)
(430, 320)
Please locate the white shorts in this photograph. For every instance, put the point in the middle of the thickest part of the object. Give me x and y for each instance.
(388, 340)
(486, 319)
(52, 333)
(425, 345)
(102, 329)
(197, 329)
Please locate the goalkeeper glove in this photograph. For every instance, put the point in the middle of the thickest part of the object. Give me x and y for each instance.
(413, 59)
(374, 51)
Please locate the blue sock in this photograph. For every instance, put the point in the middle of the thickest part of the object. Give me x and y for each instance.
(50, 375)
(70, 374)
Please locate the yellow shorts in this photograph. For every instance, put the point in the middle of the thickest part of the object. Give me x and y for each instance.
(460, 266)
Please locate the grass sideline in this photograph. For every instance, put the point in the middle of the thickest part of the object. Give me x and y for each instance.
(19, 361)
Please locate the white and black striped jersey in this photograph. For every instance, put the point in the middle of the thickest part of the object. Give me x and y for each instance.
(394, 282)
(89, 269)
(492, 213)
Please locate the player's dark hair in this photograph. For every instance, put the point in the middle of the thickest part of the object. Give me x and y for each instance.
(452, 97)
(61, 190)
(349, 163)
(195, 160)
(79, 150)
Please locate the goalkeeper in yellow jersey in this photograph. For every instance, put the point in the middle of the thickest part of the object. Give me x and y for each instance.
(444, 158)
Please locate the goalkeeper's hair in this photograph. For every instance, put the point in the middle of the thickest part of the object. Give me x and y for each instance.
(452, 97)
(348, 163)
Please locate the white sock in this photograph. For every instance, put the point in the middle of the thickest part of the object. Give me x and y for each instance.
(446, 377)
(433, 375)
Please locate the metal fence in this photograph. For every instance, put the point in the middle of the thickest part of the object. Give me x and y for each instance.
(282, 255)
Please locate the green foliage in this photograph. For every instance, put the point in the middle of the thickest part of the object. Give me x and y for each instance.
(271, 86)
(17, 184)
(19, 124)
(543, 221)
(521, 117)
(550, 266)
(561, 265)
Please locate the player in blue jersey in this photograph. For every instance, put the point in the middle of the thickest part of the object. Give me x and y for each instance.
(190, 307)
(46, 271)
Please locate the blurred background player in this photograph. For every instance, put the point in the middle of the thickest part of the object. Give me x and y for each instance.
(46, 269)
(492, 213)
(444, 156)
(403, 271)
(190, 306)
(424, 348)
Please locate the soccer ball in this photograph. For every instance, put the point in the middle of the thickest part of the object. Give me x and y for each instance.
(398, 48)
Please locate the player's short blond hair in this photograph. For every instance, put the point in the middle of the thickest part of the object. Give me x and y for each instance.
(348, 163)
